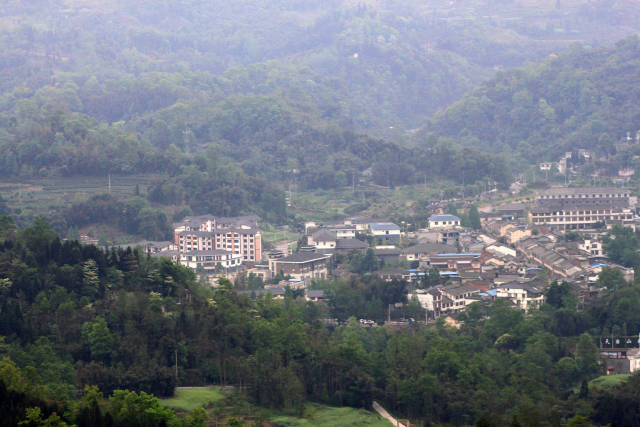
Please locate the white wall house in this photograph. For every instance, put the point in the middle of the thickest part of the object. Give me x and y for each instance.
(443, 221)
(209, 259)
(386, 232)
(591, 246)
(521, 294)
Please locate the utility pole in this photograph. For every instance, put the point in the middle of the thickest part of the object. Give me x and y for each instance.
(176, 353)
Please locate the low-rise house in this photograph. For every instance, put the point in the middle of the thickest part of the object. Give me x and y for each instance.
(501, 251)
(593, 271)
(323, 239)
(507, 212)
(387, 254)
(422, 251)
(523, 295)
(541, 250)
(362, 223)
(443, 221)
(447, 236)
(502, 279)
(314, 295)
(475, 246)
(385, 232)
(593, 247)
(514, 234)
(348, 245)
(621, 361)
(303, 265)
(414, 275)
(209, 260)
(461, 295)
(434, 302)
(455, 262)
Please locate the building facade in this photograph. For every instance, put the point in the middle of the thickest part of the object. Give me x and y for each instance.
(239, 236)
(209, 259)
(443, 221)
(523, 295)
(302, 266)
(581, 208)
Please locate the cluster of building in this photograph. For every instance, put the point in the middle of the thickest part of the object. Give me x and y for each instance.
(521, 248)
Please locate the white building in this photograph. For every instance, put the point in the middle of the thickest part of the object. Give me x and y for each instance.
(593, 247)
(238, 235)
(323, 239)
(579, 208)
(386, 232)
(443, 221)
(209, 259)
(523, 295)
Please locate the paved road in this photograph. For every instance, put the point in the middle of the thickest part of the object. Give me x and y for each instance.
(384, 414)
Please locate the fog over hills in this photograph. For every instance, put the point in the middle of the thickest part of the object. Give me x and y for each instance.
(378, 63)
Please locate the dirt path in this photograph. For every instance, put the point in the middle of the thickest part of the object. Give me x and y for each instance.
(384, 414)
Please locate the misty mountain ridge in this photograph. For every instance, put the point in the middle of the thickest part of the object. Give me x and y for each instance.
(585, 98)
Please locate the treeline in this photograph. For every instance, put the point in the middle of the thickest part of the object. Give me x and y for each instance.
(584, 98)
(22, 403)
(118, 319)
(252, 137)
(133, 216)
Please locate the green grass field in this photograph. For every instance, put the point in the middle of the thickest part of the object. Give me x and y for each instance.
(279, 236)
(189, 398)
(327, 416)
(606, 381)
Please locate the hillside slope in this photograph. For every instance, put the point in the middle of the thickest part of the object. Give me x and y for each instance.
(582, 99)
(383, 63)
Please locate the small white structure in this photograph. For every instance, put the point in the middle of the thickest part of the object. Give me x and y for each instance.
(523, 295)
(209, 259)
(386, 232)
(443, 221)
(592, 247)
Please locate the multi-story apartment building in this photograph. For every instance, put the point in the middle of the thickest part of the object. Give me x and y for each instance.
(239, 236)
(579, 208)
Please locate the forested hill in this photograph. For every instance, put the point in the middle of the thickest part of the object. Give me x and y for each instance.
(379, 63)
(74, 316)
(586, 98)
(249, 96)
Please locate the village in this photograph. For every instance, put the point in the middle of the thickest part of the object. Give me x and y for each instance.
(517, 252)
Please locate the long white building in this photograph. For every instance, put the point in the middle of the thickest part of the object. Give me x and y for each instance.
(579, 208)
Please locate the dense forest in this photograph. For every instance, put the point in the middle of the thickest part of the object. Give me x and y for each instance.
(282, 92)
(379, 63)
(585, 98)
(75, 316)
